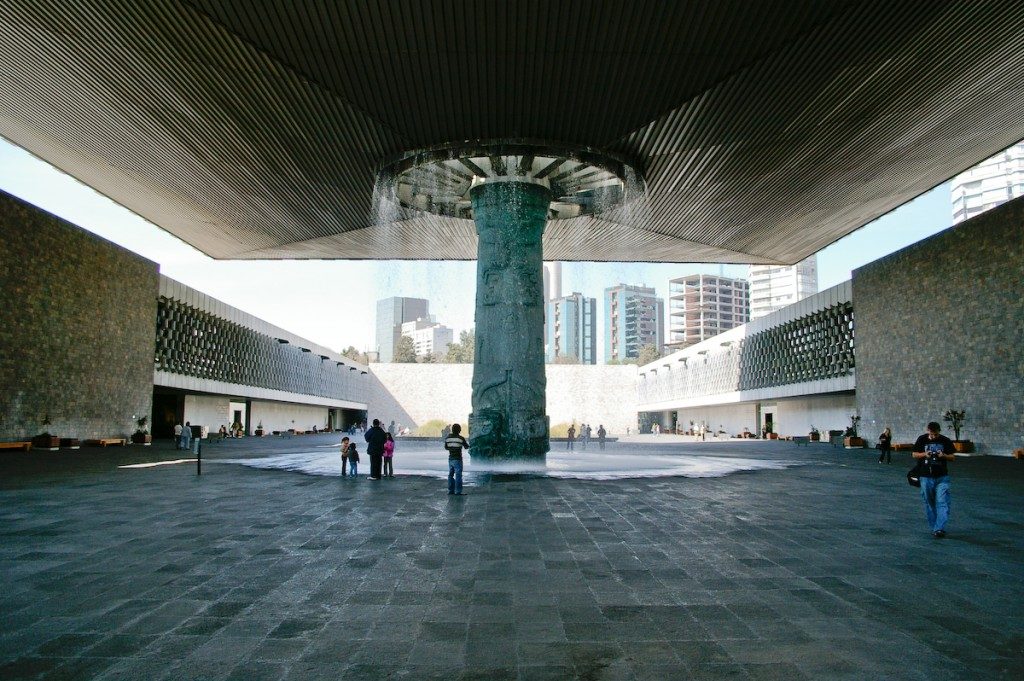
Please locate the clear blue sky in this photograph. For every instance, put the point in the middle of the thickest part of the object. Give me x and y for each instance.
(333, 303)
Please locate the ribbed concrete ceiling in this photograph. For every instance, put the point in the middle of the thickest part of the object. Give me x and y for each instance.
(766, 129)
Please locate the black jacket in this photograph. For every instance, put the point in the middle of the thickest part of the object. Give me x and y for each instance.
(375, 439)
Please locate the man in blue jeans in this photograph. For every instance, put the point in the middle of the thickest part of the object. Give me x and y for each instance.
(455, 443)
(934, 450)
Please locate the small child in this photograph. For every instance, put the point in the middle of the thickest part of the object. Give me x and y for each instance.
(344, 455)
(353, 459)
(389, 454)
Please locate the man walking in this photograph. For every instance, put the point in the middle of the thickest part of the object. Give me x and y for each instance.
(601, 434)
(571, 437)
(934, 450)
(375, 439)
(455, 443)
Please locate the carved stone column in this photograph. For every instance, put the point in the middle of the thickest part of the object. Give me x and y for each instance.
(509, 384)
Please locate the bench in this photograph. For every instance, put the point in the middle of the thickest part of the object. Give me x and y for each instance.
(70, 443)
(799, 440)
(106, 442)
(903, 447)
(27, 445)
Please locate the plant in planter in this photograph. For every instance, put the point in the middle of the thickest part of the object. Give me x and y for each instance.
(259, 429)
(956, 418)
(45, 440)
(850, 437)
(141, 435)
(815, 434)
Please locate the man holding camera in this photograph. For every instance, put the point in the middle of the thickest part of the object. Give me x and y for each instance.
(934, 450)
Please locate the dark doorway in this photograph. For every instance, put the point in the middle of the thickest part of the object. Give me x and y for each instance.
(168, 409)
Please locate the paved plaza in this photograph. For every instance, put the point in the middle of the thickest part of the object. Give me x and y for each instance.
(824, 570)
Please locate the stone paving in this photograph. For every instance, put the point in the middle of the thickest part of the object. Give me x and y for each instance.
(823, 571)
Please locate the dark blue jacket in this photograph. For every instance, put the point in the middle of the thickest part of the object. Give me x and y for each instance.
(375, 439)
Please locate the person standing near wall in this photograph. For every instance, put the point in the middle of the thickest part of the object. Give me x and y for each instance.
(570, 437)
(375, 439)
(934, 450)
(186, 436)
(885, 446)
(177, 435)
(601, 434)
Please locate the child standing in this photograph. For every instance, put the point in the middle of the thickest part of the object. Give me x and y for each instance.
(344, 455)
(389, 454)
(353, 459)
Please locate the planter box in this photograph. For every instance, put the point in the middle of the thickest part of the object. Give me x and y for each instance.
(47, 442)
(853, 442)
(258, 432)
(773, 436)
(963, 446)
(70, 443)
(142, 439)
(815, 437)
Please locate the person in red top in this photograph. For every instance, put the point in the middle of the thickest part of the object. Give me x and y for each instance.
(389, 454)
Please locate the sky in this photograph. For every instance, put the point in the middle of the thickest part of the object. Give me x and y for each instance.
(333, 302)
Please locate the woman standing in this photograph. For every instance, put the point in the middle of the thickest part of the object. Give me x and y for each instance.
(885, 446)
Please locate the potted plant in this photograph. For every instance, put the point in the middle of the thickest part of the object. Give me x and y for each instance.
(850, 438)
(141, 435)
(259, 429)
(815, 434)
(45, 440)
(769, 432)
(956, 418)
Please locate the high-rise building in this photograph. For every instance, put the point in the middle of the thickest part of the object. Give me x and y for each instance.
(427, 336)
(705, 305)
(994, 181)
(391, 314)
(571, 329)
(773, 287)
(633, 317)
(552, 280)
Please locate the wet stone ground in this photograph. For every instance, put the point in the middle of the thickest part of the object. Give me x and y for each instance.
(822, 571)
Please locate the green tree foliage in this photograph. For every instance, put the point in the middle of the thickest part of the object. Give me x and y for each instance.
(355, 355)
(405, 351)
(462, 351)
(648, 354)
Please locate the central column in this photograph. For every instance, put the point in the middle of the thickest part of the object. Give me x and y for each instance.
(509, 385)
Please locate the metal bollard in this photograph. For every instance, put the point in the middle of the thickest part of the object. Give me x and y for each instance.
(199, 456)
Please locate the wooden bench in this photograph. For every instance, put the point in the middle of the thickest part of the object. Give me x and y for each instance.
(27, 445)
(903, 447)
(106, 442)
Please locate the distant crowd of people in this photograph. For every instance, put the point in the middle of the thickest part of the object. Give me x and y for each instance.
(585, 434)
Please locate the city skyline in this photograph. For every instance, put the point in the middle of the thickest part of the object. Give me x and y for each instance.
(288, 292)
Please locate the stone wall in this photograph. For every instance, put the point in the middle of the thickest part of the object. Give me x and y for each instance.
(940, 325)
(76, 328)
(412, 394)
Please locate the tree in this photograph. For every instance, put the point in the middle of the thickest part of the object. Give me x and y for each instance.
(405, 351)
(463, 351)
(648, 354)
(355, 355)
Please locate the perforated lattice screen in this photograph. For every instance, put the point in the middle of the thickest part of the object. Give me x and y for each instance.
(196, 343)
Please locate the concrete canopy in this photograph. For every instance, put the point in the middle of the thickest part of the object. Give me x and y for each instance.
(765, 129)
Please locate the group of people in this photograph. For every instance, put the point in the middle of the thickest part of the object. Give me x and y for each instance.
(380, 447)
(585, 433)
(183, 436)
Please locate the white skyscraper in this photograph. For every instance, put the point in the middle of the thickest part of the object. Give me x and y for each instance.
(993, 181)
(773, 287)
(552, 280)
